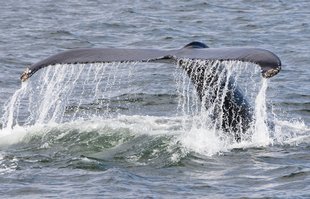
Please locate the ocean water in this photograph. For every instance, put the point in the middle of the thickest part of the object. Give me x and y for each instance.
(137, 130)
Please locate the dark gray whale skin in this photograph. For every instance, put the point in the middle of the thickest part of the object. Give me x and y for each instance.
(270, 64)
(237, 114)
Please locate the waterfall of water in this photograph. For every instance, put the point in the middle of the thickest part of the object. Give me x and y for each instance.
(65, 93)
(206, 132)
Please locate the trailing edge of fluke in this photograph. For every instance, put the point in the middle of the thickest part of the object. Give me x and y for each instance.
(270, 63)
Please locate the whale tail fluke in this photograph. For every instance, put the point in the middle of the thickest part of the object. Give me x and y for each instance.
(270, 64)
(231, 108)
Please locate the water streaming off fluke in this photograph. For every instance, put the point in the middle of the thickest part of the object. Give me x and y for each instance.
(100, 93)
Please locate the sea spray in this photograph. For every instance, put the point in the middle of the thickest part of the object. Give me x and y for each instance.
(292, 132)
(70, 93)
(56, 95)
(205, 134)
(261, 133)
(10, 109)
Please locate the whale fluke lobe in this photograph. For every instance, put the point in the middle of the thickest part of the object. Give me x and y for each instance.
(270, 64)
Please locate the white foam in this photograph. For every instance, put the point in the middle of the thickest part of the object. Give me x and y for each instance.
(291, 132)
(11, 137)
